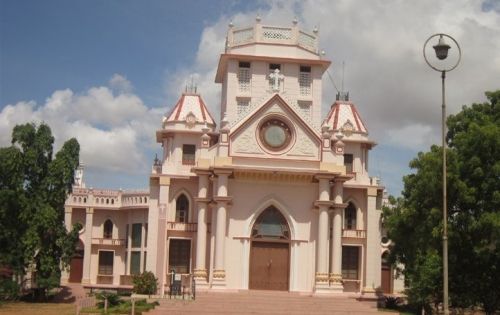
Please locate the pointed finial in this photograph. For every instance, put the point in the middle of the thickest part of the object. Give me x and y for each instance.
(295, 21)
(258, 19)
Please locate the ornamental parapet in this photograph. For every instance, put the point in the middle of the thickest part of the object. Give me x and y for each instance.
(268, 34)
(107, 198)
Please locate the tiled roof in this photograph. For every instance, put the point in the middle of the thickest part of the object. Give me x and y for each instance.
(343, 115)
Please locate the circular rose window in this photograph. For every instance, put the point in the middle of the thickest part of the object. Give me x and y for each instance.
(275, 134)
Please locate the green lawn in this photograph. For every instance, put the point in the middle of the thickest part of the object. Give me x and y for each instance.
(23, 308)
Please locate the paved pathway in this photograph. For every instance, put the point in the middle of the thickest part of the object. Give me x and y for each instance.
(265, 302)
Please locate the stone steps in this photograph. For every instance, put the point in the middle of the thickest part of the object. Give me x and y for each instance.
(265, 302)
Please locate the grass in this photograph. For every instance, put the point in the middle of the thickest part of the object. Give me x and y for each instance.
(23, 308)
(122, 308)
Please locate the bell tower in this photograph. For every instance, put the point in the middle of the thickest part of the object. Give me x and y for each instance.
(262, 60)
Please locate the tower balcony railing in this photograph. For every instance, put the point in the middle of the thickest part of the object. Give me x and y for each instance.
(185, 226)
(272, 35)
(108, 241)
(354, 233)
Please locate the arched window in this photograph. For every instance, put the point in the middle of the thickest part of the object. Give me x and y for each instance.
(181, 209)
(350, 217)
(108, 229)
(271, 224)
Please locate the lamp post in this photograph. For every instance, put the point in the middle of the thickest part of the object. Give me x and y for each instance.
(441, 50)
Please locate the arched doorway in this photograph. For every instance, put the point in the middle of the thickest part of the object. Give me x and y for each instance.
(76, 264)
(270, 252)
(386, 273)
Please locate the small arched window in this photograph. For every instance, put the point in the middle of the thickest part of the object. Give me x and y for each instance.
(108, 229)
(181, 209)
(350, 217)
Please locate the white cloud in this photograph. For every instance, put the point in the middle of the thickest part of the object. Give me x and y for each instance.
(415, 137)
(120, 83)
(114, 130)
(381, 44)
(397, 94)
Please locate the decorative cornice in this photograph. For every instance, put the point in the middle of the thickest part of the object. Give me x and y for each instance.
(219, 274)
(322, 277)
(201, 199)
(326, 203)
(335, 278)
(340, 206)
(226, 199)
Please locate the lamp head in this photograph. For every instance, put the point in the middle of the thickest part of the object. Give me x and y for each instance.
(441, 48)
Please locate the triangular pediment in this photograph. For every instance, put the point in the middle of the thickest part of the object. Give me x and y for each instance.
(275, 130)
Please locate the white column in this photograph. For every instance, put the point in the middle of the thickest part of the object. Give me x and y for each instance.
(200, 272)
(323, 204)
(322, 248)
(373, 258)
(153, 217)
(161, 255)
(336, 246)
(219, 273)
(88, 245)
(68, 225)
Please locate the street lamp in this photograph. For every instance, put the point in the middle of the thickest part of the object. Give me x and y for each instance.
(441, 50)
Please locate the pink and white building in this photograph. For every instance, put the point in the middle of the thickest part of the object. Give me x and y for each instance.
(276, 195)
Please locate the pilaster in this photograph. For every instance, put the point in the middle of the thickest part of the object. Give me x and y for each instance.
(67, 223)
(200, 272)
(373, 260)
(222, 199)
(89, 217)
(335, 276)
(323, 204)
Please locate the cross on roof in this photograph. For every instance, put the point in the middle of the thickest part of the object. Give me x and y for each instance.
(276, 77)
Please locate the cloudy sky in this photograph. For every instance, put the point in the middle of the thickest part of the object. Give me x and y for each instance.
(105, 72)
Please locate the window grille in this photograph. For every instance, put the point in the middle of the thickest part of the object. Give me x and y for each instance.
(305, 109)
(244, 77)
(242, 106)
(305, 80)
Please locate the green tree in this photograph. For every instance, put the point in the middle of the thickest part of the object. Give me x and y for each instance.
(414, 222)
(33, 187)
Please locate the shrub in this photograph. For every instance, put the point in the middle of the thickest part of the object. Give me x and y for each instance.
(392, 302)
(9, 289)
(145, 283)
(113, 298)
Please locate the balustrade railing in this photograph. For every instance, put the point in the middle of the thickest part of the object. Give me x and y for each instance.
(181, 226)
(272, 34)
(108, 198)
(354, 233)
(108, 241)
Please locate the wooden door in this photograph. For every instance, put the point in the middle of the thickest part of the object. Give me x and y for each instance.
(386, 279)
(269, 266)
(76, 269)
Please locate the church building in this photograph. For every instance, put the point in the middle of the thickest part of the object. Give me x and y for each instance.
(274, 196)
